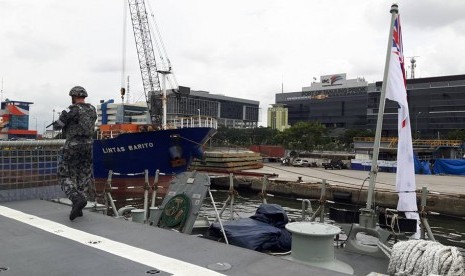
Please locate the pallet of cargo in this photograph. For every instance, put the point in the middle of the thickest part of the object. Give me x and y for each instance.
(231, 153)
(228, 160)
(222, 170)
(223, 164)
(232, 159)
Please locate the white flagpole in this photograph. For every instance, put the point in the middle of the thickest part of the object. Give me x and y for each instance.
(379, 123)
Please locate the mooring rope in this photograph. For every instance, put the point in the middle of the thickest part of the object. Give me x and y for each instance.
(420, 257)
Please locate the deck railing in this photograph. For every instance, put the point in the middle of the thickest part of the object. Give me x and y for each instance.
(179, 122)
(194, 121)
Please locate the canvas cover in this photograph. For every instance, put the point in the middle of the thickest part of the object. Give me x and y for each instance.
(264, 231)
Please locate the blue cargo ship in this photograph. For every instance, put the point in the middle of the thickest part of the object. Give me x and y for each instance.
(128, 155)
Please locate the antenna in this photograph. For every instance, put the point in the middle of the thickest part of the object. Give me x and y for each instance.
(412, 66)
(282, 83)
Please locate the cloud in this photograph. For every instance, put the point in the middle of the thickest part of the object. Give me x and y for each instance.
(106, 66)
(431, 14)
(34, 49)
(241, 48)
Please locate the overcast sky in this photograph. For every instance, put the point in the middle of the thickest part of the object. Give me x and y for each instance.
(241, 48)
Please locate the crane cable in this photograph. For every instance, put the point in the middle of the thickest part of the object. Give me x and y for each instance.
(160, 45)
(123, 62)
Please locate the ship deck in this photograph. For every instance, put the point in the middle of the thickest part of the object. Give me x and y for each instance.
(37, 238)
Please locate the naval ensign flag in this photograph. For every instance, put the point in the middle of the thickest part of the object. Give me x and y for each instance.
(396, 91)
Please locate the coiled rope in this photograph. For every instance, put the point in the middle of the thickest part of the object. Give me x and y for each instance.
(420, 257)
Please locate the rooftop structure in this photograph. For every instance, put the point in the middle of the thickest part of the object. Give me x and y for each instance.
(14, 121)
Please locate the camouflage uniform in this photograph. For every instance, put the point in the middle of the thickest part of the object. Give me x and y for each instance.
(75, 168)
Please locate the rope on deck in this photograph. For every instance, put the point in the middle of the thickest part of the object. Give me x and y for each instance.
(420, 257)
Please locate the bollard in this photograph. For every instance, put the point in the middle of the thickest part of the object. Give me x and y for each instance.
(312, 243)
(154, 216)
(138, 215)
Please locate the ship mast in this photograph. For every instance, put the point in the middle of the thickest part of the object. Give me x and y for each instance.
(367, 214)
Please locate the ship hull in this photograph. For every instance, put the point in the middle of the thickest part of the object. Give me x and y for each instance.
(130, 154)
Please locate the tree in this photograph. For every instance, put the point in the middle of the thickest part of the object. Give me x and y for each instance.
(456, 134)
(304, 136)
(347, 138)
(245, 137)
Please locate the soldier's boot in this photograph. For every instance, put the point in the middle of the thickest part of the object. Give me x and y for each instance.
(79, 202)
(80, 214)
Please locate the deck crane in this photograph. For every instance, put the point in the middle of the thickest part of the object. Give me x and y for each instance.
(147, 63)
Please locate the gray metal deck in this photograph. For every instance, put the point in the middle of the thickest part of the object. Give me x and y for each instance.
(28, 249)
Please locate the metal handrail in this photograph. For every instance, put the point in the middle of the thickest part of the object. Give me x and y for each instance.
(32, 143)
(423, 142)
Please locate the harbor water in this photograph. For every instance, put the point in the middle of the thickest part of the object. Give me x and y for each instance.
(446, 229)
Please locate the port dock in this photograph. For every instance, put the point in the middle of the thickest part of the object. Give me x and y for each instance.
(446, 192)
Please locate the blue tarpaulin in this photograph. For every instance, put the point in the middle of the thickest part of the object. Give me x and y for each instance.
(264, 231)
(421, 167)
(449, 166)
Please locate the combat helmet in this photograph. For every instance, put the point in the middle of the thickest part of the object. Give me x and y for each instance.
(78, 91)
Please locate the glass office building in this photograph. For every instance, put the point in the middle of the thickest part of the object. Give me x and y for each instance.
(228, 111)
(436, 105)
(335, 102)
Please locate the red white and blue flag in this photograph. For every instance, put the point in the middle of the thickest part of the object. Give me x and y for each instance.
(396, 91)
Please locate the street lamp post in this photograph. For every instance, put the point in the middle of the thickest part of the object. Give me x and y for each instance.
(37, 131)
(199, 118)
(58, 116)
(416, 123)
(53, 120)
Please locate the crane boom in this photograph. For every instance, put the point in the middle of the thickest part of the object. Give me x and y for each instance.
(147, 62)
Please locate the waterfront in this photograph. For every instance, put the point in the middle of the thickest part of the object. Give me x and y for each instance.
(446, 192)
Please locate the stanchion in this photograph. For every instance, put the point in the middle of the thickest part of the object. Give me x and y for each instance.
(108, 195)
(146, 195)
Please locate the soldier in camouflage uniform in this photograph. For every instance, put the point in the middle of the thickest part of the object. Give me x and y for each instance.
(75, 168)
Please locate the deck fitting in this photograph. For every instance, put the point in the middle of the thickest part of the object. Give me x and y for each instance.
(219, 266)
